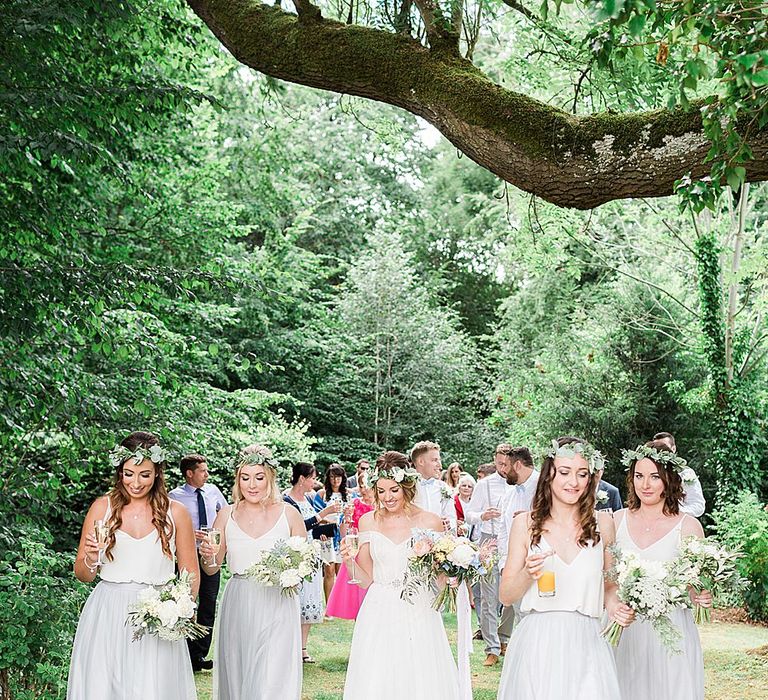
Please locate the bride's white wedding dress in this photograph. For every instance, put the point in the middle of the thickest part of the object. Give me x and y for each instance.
(399, 649)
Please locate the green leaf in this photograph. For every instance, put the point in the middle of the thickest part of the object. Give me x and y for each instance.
(213, 350)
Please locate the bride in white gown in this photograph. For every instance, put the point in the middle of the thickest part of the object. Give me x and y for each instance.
(399, 648)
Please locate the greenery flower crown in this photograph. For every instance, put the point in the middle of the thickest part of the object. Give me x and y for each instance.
(262, 456)
(664, 457)
(594, 458)
(119, 455)
(398, 474)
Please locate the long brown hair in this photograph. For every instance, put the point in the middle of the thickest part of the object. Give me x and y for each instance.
(158, 496)
(541, 509)
(673, 484)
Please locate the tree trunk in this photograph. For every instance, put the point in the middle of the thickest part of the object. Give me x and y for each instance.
(569, 160)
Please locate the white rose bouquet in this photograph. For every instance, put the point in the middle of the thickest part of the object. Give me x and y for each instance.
(705, 565)
(287, 565)
(653, 590)
(167, 611)
(441, 553)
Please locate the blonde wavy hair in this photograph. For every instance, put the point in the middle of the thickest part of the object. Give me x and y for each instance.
(254, 455)
(158, 496)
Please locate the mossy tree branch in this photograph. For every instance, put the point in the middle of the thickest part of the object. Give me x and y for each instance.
(571, 161)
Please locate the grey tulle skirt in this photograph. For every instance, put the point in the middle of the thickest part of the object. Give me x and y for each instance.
(558, 655)
(647, 670)
(106, 663)
(258, 644)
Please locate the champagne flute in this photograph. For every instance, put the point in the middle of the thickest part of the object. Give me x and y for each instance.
(101, 533)
(353, 542)
(214, 539)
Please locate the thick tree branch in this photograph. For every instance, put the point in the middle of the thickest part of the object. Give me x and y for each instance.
(571, 161)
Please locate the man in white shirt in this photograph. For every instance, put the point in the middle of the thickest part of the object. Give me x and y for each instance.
(432, 494)
(693, 503)
(523, 479)
(485, 509)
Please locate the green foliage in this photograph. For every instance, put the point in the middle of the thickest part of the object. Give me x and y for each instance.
(39, 608)
(743, 524)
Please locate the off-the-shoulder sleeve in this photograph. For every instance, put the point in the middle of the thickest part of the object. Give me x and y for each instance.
(365, 538)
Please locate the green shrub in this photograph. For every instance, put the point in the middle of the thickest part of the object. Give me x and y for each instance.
(40, 602)
(743, 524)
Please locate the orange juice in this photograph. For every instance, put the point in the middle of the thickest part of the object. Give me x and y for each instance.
(546, 583)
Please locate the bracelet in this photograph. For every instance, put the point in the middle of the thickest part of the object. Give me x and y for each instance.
(93, 569)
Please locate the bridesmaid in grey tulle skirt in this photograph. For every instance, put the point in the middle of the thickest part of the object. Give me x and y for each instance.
(106, 663)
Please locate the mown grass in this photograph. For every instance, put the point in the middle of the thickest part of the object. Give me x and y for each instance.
(731, 673)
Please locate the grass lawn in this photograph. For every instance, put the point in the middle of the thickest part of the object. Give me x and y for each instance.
(731, 673)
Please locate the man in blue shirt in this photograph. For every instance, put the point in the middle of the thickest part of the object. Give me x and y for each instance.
(203, 501)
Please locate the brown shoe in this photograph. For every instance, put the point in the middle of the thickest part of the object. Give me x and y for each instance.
(478, 635)
(503, 649)
(491, 660)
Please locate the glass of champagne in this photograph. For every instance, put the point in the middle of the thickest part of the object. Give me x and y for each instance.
(546, 582)
(214, 539)
(101, 533)
(354, 547)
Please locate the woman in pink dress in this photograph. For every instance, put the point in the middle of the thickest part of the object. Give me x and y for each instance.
(345, 599)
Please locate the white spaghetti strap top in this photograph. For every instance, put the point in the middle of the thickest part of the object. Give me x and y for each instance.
(666, 548)
(578, 585)
(140, 560)
(243, 550)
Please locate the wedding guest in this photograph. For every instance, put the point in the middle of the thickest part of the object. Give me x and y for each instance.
(147, 535)
(524, 478)
(346, 598)
(202, 501)
(452, 475)
(564, 536)
(300, 496)
(258, 636)
(391, 636)
(484, 511)
(334, 490)
(464, 489)
(692, 501)
(607, 496)
(652, 526)
(431, 493)
(485, 470)
(361, 467)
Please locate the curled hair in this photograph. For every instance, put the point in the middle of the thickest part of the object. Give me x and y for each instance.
(673, 485)
(394, 460)
(541, 509)
(335, 470)
(158, 496)
(273, 492)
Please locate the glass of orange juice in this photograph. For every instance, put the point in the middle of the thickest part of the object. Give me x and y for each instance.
(546, 582)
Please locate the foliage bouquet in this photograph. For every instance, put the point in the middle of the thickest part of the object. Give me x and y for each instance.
(440, 553)
(706, 565)
(167, 611)
(652, 589)
(286, 565)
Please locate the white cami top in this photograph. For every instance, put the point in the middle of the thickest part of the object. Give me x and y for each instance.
(140, 560)
(243, 550)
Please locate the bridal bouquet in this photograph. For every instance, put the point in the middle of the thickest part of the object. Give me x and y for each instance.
(705, 565)
(652, 589)
(167, 611)
(286, 565)
(441, 553)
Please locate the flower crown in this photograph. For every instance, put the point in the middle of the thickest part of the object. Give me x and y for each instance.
(262, 455)
(398, 474)
(594, 458)
(119, 455)
(664, 457)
